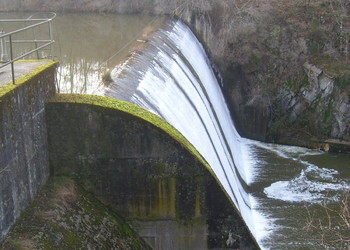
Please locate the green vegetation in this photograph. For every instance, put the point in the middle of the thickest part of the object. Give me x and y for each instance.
(343, 82)
(135, 111)
(339, 70)
(276, 31)
(15, 245)
(296, 82)
(106, 77)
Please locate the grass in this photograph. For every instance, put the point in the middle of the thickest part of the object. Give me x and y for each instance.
(331, 65)
(106, 77)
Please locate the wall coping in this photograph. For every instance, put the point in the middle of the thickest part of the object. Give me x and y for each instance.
(8, 87)
(134, 110)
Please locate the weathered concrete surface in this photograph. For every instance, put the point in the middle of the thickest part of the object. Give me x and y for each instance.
(21, 68)
(65, 216)
(150, 178)
(23, 141)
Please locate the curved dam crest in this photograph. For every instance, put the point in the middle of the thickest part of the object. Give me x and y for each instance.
(137, 163)
(133, 110)
(172, 78)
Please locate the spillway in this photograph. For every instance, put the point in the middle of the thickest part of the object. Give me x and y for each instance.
(173, 78)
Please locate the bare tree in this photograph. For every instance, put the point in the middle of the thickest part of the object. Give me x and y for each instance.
(334, 233)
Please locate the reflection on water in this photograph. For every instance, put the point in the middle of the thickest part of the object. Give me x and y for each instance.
(81, 77)
(86, 45)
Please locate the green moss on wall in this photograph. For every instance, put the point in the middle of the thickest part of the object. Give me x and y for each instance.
(132, 110)
(8, 87)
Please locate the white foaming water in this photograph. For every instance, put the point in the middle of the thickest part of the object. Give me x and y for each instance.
(313, 184)
(176, 82)
(284, 151)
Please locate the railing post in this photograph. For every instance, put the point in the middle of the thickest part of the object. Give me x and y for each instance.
(51, 37)
(36, 44)
(12, 62)
(4, 56)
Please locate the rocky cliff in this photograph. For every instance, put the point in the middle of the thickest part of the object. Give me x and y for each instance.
(284, 64)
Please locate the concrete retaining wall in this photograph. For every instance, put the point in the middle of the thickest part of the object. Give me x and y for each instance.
(148, 176)
(24, 165)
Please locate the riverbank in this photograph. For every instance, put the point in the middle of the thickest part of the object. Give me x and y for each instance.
(330, 145)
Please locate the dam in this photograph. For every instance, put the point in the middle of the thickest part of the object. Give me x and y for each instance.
(172, 78)
(173, 163)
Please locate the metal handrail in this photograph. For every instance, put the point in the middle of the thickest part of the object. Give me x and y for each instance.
(41, 21)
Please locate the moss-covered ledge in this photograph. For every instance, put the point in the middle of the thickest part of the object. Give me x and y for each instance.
(9, 86)
(134, 110)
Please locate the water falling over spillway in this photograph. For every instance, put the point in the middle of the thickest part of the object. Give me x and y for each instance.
(173, 78)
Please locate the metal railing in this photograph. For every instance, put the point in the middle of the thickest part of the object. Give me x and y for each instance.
(7, 40)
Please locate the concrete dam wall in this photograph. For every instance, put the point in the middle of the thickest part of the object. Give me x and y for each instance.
(129, 158)
(148, 176)
(24, 165)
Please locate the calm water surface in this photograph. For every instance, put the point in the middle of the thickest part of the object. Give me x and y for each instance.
(86, 45)
(290, 183)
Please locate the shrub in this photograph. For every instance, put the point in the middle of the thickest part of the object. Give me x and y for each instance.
(106, 77)
(334, 232)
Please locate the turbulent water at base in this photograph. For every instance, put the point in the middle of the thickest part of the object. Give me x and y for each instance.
(173, 78)
(301, 191)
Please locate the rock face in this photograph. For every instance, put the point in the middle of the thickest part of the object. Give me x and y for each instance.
(24, 165)
(148, 177)
(328, 100)
(284, 66)
(318, 107)
(325, 99)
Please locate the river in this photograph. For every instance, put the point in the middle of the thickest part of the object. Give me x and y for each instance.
(291, 185)
(294, 186)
